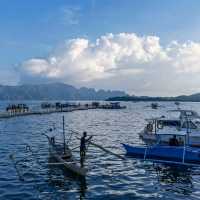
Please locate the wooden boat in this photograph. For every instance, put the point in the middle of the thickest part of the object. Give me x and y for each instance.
(65, 158)
(63, 155)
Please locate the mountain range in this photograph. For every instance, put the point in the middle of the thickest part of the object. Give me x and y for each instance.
(189, 98)
(61, 91)
(54, 91)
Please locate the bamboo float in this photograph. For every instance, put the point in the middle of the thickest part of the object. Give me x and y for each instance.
(106, 150)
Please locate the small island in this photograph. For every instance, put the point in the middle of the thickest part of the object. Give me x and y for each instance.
(182, 98)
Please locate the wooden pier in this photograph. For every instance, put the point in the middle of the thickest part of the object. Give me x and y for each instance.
(23, 110)
(4, 115)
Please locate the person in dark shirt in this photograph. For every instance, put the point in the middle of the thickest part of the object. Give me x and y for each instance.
(173, 141)
(83, 147)
(83, 144)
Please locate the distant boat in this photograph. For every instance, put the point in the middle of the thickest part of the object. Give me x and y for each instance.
(154, 105)
(113, 105)
(177, 103)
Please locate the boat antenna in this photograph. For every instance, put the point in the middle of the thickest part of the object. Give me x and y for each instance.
(64, 145)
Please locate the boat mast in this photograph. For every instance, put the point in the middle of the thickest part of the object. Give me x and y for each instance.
(188, 127)
(64, 145)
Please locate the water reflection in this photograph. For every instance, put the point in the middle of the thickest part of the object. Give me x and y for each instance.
(175, 178)
(63, 181)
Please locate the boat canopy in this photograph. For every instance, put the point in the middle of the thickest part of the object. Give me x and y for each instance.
(179, 133)
(186, 113)
(155, 118)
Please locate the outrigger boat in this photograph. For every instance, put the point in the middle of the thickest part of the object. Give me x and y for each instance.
(62, 154)
(65, 159)
(188, 121)
(179, 155)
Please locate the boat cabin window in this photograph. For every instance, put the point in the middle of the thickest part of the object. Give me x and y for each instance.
(188, 113)
(189, 125)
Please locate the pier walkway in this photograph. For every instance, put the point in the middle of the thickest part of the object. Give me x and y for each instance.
(4, 115)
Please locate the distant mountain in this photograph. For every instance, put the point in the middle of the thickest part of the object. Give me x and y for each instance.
(190, 98)
(54, 91)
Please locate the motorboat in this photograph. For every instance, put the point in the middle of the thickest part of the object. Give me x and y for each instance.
(187, 122)
(171, 153)
(165, 154)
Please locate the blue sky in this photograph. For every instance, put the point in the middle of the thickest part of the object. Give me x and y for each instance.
(35, 29)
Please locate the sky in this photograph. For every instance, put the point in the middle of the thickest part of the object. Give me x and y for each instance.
(144, 47)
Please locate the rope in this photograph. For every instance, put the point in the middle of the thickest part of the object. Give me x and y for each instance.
(145, 153)
(69, 140)
(29, 149)
(20, 176)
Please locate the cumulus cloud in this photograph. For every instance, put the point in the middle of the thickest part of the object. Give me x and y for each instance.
(185, 57)
(83, 60)
(115, 59)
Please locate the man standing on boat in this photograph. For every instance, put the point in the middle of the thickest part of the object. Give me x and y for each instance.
(83, 147)
(173, 141)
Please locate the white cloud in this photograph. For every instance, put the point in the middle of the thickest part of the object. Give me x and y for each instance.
(88, 61)
(120, 60)
(185, 57)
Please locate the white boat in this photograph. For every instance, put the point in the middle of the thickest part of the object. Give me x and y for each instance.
(187, 122)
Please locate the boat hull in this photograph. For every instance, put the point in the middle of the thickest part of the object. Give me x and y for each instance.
(69, 164)
(166, 153)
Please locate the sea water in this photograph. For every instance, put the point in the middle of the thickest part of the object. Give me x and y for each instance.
(25, 172)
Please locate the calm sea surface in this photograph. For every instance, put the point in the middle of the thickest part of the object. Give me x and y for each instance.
(108, 176)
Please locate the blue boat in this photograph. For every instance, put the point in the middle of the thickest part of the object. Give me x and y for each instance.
(167, 154)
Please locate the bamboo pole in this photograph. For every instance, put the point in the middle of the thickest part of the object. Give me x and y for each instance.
(101, 147)
(106, 150)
